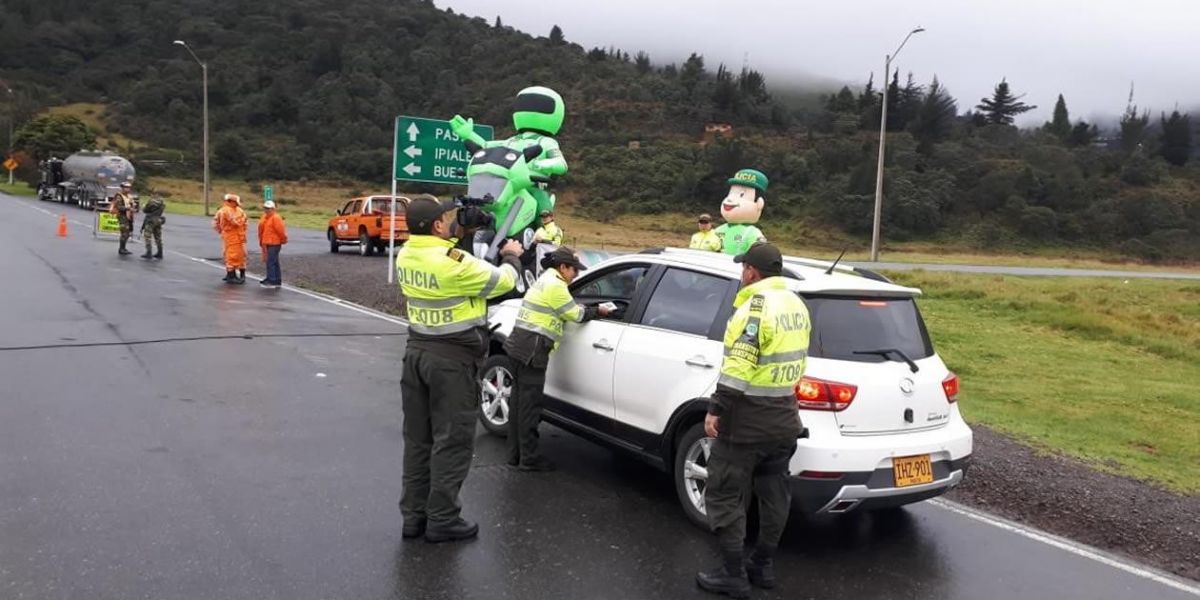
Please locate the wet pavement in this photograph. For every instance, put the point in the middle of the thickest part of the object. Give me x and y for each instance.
(163, 435)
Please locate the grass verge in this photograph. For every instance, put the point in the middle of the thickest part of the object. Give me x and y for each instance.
(1104, 371)
(18, 188)
(310, 204)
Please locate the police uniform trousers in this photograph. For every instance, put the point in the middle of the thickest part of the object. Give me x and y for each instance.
(734, 472)
(440, 403)
(525, 414)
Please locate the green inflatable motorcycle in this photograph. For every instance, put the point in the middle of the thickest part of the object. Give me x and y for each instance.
(506, 179)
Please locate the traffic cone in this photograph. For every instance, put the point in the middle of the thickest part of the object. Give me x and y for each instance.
(62, 225)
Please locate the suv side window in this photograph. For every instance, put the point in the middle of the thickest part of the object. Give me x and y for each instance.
(357, 208)
(346, 210)
(619, 284)
(686, 301)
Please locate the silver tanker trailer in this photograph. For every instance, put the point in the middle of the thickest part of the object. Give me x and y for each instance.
(87, 179)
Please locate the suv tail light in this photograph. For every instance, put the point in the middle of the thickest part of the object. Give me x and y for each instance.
(818, 394)
(950, 386)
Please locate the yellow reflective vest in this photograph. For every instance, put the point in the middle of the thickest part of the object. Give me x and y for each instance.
(547, 305)
(706, 240)
(550, 233)
(766, 340)
(447, 289)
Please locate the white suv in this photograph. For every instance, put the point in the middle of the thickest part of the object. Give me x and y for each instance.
(882, 427)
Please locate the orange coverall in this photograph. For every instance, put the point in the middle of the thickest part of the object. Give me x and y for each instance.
(230, 221)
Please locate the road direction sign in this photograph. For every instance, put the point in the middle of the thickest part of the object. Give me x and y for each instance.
(428, 151)
(11, 164)
(268, 192)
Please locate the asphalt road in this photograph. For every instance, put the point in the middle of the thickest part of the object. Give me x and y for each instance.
(163, 435)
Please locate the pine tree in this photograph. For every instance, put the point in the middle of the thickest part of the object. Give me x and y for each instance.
(1082, 134)
(908, 105)
(935, 119)
(1003, 106)
(1133, 126)
(499, 24)
(843, 101)
(642, 62)
(868, 106)
(1060, 126)
(1176, 143)
(692, 72)
(556, 35)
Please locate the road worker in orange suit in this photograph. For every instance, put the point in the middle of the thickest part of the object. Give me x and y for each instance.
(230, 221)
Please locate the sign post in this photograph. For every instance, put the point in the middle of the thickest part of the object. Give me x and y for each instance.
(11, 164)
(427, 151)
(268, 193)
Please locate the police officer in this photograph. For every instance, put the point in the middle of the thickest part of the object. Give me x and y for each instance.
(539, 327)
(446, 290)
(152, 224)
(122, 206)
(705, 238)
(549, 232)
(753, 418)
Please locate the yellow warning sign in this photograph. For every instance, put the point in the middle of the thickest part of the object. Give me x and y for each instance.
(11, 164)
(107, 223)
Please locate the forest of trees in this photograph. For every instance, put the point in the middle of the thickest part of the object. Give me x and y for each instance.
(310, 88)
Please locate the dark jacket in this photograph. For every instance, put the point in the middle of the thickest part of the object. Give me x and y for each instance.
(754, 419)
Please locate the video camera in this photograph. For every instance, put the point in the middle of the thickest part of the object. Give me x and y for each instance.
(471, 215)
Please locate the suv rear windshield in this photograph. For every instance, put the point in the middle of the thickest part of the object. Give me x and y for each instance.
(842, 326)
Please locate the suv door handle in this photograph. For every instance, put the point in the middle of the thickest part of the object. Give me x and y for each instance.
(602, 345)
(699, 361)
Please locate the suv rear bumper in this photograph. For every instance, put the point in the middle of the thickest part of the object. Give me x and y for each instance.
(872, 489)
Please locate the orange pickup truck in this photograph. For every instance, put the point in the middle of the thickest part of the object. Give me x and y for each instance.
(363, 222)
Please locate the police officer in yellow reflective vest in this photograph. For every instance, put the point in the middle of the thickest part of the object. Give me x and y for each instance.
(446, 291)
(545, 308)
(705, 238)
(754, 420)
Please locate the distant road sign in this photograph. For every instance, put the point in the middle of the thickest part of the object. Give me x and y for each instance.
(11, 164)
(268, 192)
(427, 150)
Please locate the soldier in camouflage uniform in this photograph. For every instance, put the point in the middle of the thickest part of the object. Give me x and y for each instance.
(122, 206)
(152, 225)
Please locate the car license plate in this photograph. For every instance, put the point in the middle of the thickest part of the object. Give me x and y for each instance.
(912, 470)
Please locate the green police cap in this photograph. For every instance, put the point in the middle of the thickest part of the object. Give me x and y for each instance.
(750, 177)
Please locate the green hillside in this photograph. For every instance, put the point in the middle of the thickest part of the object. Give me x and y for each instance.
(309, 88)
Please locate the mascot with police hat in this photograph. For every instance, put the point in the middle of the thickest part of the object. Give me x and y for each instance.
(741, 209)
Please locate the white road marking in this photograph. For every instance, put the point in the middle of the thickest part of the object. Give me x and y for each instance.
(1069, 546)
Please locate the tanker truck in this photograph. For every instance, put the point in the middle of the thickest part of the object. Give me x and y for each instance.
(86, 179)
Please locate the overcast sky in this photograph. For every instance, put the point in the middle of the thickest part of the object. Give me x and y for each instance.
(1089, 50)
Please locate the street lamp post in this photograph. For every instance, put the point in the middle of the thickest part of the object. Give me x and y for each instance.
(887, 72)
(204, 74)
(12, 109)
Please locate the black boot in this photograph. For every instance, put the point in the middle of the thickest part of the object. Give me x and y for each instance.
(459, 529)
(122, 251)
(230, 276)
(241, 276)
(729, 578)
(147, 254)
(158, 254)
(760, 567)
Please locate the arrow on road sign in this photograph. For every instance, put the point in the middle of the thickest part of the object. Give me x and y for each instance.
(411, 169)
(412, 132)
(412, 151)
